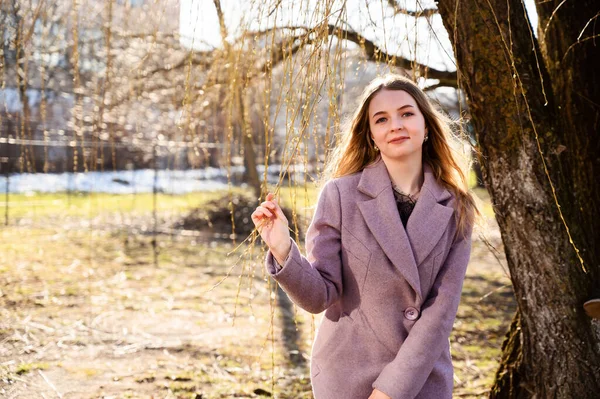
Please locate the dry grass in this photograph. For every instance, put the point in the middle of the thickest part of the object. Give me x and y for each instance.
(86, 313)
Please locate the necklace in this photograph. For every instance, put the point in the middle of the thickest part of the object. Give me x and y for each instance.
(405, 203)
(413, 197)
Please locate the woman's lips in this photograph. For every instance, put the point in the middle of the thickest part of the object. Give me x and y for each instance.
(399, 140)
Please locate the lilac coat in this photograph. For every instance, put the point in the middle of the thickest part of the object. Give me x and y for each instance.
(390, 295)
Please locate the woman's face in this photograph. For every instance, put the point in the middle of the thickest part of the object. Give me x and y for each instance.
(397, 125)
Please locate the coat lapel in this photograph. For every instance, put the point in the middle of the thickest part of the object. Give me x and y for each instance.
(406, 249)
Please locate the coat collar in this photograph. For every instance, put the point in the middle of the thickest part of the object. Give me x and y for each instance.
(405, 248)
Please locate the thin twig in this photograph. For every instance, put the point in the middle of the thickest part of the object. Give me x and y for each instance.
(50, 384)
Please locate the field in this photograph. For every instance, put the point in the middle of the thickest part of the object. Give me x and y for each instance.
(89, 308)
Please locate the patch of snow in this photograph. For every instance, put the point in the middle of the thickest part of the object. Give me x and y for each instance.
(134, 181)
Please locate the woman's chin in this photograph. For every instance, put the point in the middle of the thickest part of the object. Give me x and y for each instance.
(401, 155)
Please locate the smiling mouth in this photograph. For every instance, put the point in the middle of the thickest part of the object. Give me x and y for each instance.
(399, 140)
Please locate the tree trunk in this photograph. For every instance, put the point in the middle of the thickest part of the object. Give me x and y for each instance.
(536, 118)
(251, 173)
(26, 160)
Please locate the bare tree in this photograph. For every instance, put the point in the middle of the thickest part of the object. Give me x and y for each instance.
(535, 107)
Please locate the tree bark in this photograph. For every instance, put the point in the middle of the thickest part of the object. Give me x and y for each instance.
(573, 66)
(536, 118)
(509, 373)
(251, 174)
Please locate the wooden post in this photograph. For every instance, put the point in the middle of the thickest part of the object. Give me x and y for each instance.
(6, 197)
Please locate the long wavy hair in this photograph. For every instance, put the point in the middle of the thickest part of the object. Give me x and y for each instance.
(356, 149)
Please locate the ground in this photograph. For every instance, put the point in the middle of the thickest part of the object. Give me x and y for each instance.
(90, 309)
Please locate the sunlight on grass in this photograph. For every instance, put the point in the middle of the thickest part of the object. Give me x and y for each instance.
(89, 205)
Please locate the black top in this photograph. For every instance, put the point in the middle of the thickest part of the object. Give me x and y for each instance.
(405, 204)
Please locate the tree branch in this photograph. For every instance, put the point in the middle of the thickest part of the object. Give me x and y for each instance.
(222, 26)
(428, 12)
(374, 53)
(292, 44)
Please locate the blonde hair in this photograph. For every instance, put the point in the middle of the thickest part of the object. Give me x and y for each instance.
(357, 150)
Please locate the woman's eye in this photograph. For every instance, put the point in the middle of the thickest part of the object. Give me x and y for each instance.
(380, 120)
(407, 113)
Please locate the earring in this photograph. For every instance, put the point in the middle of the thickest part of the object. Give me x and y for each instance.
(426, 137)
(374, 145)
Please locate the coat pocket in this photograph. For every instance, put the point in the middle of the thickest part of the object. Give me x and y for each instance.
(389, 346)
(435, 267)
(428, 269)
(326, 336)
(354, 246)
(356, 256)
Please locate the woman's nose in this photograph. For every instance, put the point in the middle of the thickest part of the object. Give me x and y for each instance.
(397, 123)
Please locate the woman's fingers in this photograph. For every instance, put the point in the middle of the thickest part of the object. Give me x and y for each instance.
(269, 210)
(261, 213)
(272, 205)
(265, 210)
(278, 210)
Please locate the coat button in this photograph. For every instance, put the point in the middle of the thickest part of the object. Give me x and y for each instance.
(411, 313)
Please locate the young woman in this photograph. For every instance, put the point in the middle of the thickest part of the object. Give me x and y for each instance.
(387, 251)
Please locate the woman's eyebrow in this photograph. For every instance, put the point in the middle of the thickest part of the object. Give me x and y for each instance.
(382, 112)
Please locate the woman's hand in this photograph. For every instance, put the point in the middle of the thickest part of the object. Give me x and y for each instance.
(273, 227)
(377, 394)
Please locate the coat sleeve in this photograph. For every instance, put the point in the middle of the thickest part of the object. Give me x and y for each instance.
(314, 282)
(405, 376)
